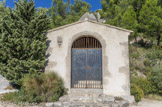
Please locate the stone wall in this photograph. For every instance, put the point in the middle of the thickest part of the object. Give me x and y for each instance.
(115, 57)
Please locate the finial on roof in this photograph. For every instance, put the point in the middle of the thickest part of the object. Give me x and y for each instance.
(88, 16)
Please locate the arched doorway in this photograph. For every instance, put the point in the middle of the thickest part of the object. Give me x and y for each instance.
(86, 66)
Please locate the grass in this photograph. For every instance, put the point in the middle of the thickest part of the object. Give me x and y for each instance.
(154, 97)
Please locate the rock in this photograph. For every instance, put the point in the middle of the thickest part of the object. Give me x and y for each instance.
(4, 83)
(116, 105)
(130, 99)
(57, 104)
(123, 103)
(64, 98)
(7, 91)
(49, 104)
(109, 99)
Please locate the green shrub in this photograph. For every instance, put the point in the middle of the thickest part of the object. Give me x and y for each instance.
(147, 62)
(156, 79)
(142, 83)
(41, 88)
(137, 92)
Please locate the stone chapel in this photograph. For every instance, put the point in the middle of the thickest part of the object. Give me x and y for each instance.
(91, 57)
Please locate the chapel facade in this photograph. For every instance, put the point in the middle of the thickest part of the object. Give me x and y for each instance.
(91, 57)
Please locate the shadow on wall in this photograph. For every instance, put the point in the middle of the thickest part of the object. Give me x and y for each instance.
(47, 52)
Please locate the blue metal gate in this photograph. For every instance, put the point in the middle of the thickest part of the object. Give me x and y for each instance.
(86, 68)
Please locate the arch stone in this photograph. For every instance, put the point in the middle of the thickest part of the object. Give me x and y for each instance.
(104, 58)
(88, 33)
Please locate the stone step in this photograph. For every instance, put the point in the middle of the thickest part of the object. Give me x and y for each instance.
(87, 98)
(91, 100)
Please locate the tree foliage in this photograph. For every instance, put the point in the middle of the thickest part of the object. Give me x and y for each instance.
(23, 41)
(151, 19)
(3, 12)
(64, 12)
(141, 16)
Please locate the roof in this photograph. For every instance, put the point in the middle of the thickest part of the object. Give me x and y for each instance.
(107, 25)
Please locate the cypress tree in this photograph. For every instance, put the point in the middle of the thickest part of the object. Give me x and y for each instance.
(23, 42)
(3, 12)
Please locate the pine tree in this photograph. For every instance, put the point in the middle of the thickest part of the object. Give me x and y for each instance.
(58, 12)
(77, 10)
(129, 20)
(23, 42)
(62, 12)
(137, 5)
(110, 9)
(160, 3)
(80, 7)
(151, 19)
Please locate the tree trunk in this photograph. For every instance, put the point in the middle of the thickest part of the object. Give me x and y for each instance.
(158, 37)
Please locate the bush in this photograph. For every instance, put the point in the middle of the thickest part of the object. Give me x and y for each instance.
(137, 92)
(42, 88)
(156, 79)
(142, 83)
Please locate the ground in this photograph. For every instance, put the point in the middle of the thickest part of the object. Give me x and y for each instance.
(148, 103)
(143, 103)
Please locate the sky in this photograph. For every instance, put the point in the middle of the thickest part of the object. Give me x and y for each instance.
(47, 3)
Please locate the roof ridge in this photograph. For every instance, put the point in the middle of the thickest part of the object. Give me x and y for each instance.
(64, 26)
